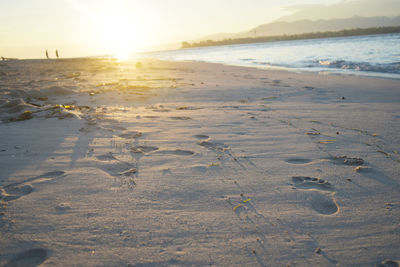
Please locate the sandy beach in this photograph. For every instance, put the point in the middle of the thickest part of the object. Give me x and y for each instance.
(156, 163)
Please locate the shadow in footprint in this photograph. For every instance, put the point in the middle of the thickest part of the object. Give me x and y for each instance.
(52, 174)
(143, 149)
(323, 204)
(305, 182)
(117, 169)
(130, 135)
(201, 136)
(29, 258)
(16, 190)
(47, 175)
(180, 118)
(63, 207)
(214, 146)
(161, 110)
(176, 152)
(129, 172)
(13, 193)
(298, 160)
(106, 157)
(387, 263)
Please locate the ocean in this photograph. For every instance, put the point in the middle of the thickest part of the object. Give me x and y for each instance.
(368, 55)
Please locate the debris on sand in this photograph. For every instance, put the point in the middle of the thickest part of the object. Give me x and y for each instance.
(313, 133)
(26, 115)
(362, 169)
(349, 161)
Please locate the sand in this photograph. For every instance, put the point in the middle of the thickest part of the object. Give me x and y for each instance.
(107, 163)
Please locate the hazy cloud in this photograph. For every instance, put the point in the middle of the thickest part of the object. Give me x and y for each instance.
(344, 9)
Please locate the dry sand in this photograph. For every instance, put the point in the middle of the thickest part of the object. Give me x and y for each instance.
(107, 163)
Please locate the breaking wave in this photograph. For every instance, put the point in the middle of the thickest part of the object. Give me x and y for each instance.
(358, 66)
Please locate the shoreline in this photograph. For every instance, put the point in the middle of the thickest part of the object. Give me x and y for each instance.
(141, 57)
(375, 58)
(366, 74)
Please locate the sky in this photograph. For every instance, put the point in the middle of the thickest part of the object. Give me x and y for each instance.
(97, 27)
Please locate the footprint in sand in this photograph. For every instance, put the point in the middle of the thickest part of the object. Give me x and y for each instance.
(321, 203)
(324, 204)
(143, 149)
(129, 172)
(151, 117)
(16, 190)
(305, 182)
(13, 193)
(161, 110)
(52, 174)
(63, 207)
(388, 263)
(298, 160)
(186, 108)
(201, 136)
(214, 146)
(130, 135)
(113, 128)
(178, 152)
(115, 167)
(106, 157)
(181, 118)
(29, 258)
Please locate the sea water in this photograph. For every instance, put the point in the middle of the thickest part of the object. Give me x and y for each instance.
(371, 55)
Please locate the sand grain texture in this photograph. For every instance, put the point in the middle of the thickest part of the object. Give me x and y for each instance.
(196, 164)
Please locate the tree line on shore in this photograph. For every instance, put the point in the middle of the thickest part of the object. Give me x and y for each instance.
(286, 37)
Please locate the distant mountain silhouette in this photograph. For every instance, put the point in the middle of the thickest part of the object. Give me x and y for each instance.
(305, 26)
(308, 26)
(342, 9)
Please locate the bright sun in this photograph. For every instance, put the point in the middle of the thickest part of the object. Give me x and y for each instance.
(118, 35)
(116, 28)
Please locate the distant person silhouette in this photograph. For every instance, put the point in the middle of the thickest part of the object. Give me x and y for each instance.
(2, 58)
(57, 54)
(47, 54)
